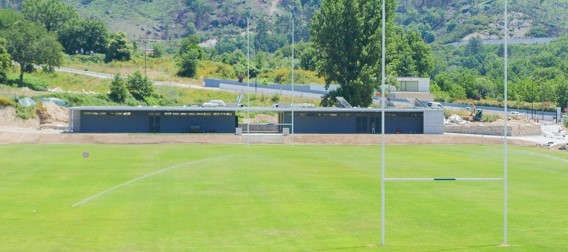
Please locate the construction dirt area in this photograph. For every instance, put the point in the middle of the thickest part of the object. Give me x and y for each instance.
(50, 124)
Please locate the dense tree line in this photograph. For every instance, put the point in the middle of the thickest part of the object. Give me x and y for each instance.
(46, 28)
(536, 73)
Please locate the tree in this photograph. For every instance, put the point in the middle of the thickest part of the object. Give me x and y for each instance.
(4, 60)
(53, 14)
(307, 58)
(421, 54)
(158, 51)
(187, 57)
(7, 18)
(139, 86)
(84, 36)
(346, 35)
(118, 90)
(261, 35)
(562, 93)
(119, 47)
(31, 44)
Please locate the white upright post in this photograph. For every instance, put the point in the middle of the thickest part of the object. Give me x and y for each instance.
(248, 83)
(293, 93)
(505, 144)
(383, 52)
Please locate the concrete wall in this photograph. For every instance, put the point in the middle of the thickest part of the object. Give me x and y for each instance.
(517, 130)
(434, 121)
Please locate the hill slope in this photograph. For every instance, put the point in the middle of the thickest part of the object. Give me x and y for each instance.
(440, 21)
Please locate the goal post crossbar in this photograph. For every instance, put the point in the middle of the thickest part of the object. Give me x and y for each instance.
(444, 179)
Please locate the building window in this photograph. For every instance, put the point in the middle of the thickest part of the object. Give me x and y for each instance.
(94, 113)
(409, 86)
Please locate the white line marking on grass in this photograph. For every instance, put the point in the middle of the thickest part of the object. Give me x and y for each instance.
(90, 198)
(547, 156)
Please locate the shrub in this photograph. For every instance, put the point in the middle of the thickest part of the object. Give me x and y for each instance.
(5, 102)
(275, 98)
(490, 117)
(26, 112)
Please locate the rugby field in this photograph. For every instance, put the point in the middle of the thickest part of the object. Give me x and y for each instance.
(277, 197)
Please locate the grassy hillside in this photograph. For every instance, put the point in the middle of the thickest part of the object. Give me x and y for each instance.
(449, 21)
(441, 21)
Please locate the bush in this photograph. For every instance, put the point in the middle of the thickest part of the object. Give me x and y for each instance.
(490, 117)
(275, 98)
(26, 112)
(5, 102)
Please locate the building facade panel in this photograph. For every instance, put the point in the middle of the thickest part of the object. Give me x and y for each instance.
(224, 120)
(113, 122)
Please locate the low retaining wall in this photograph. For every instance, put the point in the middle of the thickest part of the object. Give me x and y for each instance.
(516, 130)
(267, 128)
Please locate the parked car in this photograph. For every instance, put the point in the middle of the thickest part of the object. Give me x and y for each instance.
(435, 105)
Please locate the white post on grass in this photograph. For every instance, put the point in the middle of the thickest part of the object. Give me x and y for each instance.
(248, 83)
(293, 93)
(505, 144)
(383, 52)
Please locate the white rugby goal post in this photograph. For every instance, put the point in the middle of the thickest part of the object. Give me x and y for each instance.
(504, 179)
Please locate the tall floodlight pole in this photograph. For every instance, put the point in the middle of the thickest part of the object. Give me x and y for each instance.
(505, 144)
(145, 50)
(248, 83)
(293, 93)
(383, 52)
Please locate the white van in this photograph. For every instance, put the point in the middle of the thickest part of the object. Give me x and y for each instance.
(435, 105)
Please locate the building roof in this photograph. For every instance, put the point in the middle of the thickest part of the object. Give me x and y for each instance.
(240, 109)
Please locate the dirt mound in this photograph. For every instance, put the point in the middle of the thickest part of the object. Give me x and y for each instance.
(8, 118)
(51, 113)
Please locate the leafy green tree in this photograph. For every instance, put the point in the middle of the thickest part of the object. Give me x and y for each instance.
(346, 35)
(562, 93)
(55, 15)
(188, 56)
(421, 54)
(158, 50)
(456, 82)
(261, 35)
(408, 54)
(119, 47)
(8, 17)
(31, 44)
(139, 86)
(4, 60)
(307, 57)
(119, 90)
(84, 36)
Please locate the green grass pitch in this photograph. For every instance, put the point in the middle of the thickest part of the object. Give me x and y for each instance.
(277, 197)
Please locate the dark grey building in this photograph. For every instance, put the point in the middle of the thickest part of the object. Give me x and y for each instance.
(364, 121)
(152, 120)
(224, 120)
